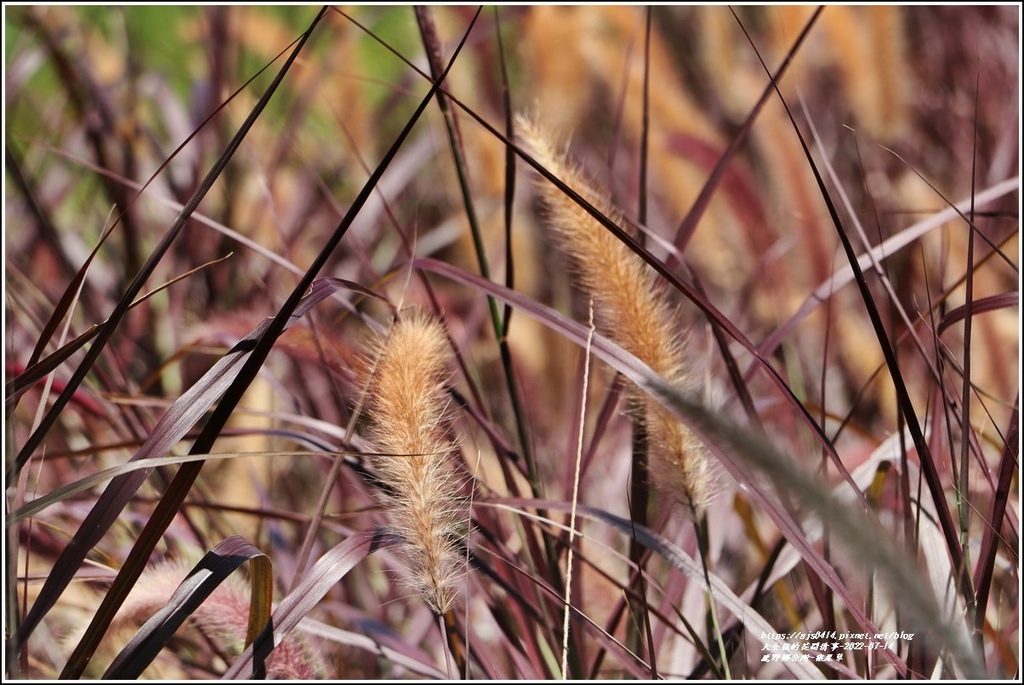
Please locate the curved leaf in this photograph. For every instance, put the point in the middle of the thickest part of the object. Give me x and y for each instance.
(328, 571)
(65, 491)
(984, 304)
(219, 563)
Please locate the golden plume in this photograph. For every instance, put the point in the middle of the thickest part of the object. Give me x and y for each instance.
(408, 406)
(630, 308)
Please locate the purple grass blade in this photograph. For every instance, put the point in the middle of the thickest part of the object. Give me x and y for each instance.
(984, 304)
(214, 568)
(107, 331)
(718, 432)
(324, 575)
(928, 463)
(1008, 467)
(689, 224)
(181, 416)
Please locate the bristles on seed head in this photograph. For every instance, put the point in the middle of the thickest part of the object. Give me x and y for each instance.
(408, 406)
(629, 307)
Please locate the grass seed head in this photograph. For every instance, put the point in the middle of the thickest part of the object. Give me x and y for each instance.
(630, 307)
(409, 408)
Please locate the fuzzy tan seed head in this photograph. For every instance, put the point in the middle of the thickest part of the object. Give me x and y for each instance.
(408, 405)
(629, 307)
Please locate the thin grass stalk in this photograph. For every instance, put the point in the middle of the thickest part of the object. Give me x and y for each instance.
(703, 547)
(613, 621)
(963, 491)
(735, 375)
(575, 499)
(16, 658)
(997, 513)
(620, 109)
(645, 129)
(321, 507)
(510, 171)
(431, 42)
(639, 505)
(708, 661)
(106, 331)
(932, 477)
(456, 650)
(910, 537)
(910, 520)
(826, 603)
